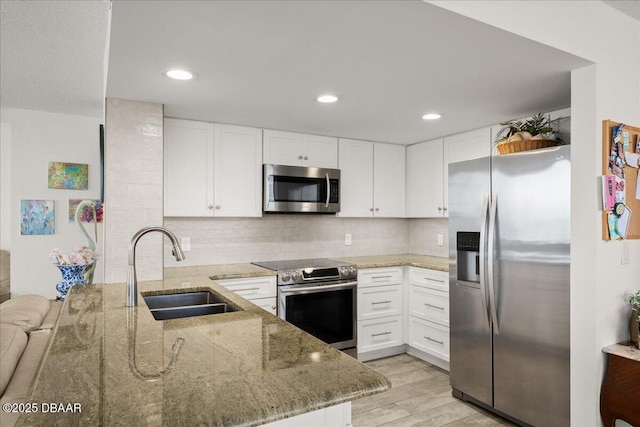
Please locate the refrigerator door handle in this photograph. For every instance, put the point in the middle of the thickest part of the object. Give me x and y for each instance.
(483, 260)
(491, 255)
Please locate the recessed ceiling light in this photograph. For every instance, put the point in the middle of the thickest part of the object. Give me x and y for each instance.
(432, 116)
(179, 74)
(327, 98)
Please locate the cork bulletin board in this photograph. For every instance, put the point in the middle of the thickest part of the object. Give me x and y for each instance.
(620, 162)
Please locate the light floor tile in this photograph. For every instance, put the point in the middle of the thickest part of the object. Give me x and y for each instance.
(420, 396)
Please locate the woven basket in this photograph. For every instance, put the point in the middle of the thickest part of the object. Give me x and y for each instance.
(524, 145)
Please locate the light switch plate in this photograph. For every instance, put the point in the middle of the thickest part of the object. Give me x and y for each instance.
(625, 253)
(347, 239)
(440, 240)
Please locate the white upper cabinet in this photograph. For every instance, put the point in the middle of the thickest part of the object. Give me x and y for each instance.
(211, 169)
(356, 178)
(296, 149)
(188, 168)
(464, 146)
(238, 171)
(389, 180)
(428, 170)
(372, 179)
(425, 179)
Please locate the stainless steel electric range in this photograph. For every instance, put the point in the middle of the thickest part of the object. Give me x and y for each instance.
(320, 297)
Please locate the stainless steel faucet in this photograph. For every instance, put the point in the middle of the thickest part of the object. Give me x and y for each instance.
(132, 281)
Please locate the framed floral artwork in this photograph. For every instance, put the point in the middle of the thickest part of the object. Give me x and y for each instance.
(37, 217)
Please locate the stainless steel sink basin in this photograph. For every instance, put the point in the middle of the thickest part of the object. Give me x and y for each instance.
(186, 304)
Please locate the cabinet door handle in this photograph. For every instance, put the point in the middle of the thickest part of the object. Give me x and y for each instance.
(244, 290)
(381, 333)
(434, 340)
(377, 209)
(381, 277)
(306, 158)
(434, 306)
(210, 206)
(439, 208)
(444, 209)
(273, 307)
(299, 157)
(371, 209)
(381, 302)
(217, 206)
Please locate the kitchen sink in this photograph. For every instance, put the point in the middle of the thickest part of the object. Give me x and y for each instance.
(187, 304)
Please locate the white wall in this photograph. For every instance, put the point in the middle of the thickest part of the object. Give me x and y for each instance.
(5, 179)
(608, 90)
(36, 138)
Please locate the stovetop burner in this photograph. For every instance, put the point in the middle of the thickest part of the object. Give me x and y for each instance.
(315, 270)
(290, 264)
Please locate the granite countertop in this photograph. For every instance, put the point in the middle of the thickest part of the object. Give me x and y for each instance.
(413, 260)
(217, 272)
(237, 271)
(234, 369)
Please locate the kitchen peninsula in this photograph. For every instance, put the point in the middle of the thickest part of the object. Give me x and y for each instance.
(242, 368)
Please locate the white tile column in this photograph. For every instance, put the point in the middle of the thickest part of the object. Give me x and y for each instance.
(133, 187)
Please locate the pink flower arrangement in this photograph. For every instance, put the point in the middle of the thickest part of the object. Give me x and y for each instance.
(79, 256)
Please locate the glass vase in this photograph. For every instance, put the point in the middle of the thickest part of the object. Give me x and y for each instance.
(71, 275)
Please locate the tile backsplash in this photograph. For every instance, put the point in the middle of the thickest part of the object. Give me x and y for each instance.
(273, 237)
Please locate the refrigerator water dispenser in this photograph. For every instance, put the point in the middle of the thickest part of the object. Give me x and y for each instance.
(468, 246)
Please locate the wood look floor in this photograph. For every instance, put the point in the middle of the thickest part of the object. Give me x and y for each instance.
(420, 396)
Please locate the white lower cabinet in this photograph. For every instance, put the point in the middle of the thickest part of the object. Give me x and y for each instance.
(427, 318)
(259, 290)
(380, 312)
(429, 337)
(378, 334)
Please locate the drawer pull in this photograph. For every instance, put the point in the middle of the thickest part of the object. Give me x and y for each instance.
(381, 302)
(429, 279)
(434, 306)
(244, 290)
(381, 333)
(382, 277)
(434, 340)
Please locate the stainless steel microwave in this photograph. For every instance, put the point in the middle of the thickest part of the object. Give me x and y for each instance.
(297, 189)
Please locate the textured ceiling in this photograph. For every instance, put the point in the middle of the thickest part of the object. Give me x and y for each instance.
(629, 7)
(52, 55)
(262, 63)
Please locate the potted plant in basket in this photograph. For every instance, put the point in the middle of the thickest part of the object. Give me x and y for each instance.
(522, 135)
(634, 321)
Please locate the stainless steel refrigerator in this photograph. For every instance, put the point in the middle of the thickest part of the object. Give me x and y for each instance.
(509, 252)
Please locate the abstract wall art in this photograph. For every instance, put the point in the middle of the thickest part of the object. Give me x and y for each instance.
(74, 176)
(37, 217)
(87, 213)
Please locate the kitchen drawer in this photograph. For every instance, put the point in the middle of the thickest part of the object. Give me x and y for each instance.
(429, 337)
(268, 304)
(433, 279)
(251, 287)
(379, 301)
(428, 304)
(379, 276)
(376, 334)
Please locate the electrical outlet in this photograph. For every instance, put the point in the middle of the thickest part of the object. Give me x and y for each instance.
(347, 239)
(440, 240)
(186, 244)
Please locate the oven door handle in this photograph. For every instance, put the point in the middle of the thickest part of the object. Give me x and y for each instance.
(320, 287)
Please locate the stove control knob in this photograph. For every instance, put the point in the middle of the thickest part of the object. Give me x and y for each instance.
(285, 277)
(297, 276)
(353, 272)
